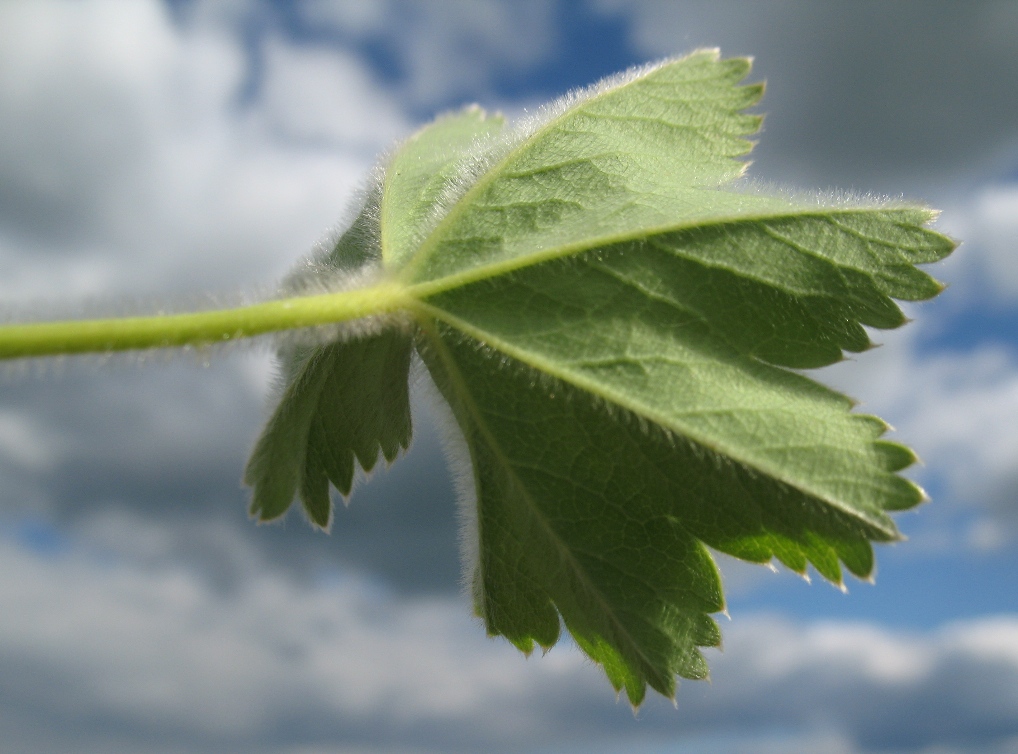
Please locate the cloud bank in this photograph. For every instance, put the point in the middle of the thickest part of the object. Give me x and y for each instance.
(114, 647)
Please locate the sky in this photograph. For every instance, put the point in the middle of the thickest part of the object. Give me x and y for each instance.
(176, 154)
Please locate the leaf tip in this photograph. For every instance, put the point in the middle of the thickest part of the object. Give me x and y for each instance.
(710, 53)
(754, 93)
(525, 644)
(323, 526)
(260, 518)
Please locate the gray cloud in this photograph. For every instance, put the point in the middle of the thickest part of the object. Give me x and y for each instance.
(140, 655)
(883, 690)
(867, 95)
(133, 167)
(986, 267)
(125, 450)
(952, 407)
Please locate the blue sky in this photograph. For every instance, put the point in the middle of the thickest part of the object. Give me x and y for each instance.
(168, 150)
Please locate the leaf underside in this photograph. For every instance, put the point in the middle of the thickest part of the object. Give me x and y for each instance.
(614, 319)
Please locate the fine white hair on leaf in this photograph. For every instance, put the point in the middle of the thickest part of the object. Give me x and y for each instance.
(486, 153)
(530, 124)
(826, 199)
(327, 269)
(461, 468)
(461, 178)
(348, 258)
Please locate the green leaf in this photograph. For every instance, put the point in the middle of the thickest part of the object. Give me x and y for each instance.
(343, 401)
(420, 173)
(615, 320)
(349, 399)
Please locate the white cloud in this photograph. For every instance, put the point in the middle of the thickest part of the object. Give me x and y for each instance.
(22, 441)
(133, 164)
(162, 649)
(967, 415)
(360, 19)
(987, 262)
(866, 650)
(880, 688)
(72, 80)
(92, 94)
(958, 410)
(160, 655)
(453, 49)
(325, 95)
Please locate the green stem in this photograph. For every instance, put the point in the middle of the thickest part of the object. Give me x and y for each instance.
(197, 328)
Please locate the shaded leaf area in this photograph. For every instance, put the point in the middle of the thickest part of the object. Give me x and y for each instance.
(341, 401)
(568, 526)
(791, 290)
(617, 412)
(603, 517)
(344, 401)
(632, 331)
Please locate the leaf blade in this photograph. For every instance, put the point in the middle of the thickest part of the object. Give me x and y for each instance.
(346, 402)
(528, 532)
(418, 175)
(587, 177)
(616, 323)
(682, 319)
